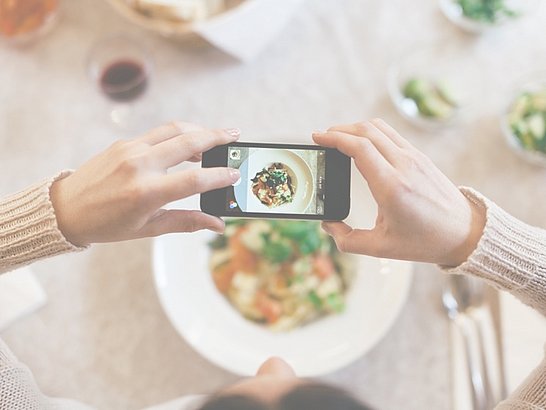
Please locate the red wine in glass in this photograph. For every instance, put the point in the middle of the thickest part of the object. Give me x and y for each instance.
(124, 80)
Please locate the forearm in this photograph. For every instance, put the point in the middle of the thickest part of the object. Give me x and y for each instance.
(28, 228)
(510, 255)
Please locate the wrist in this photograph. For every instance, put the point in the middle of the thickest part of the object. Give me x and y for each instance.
(473, 235)
(59, 200)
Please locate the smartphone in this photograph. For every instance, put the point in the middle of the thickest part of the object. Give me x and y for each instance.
(280, 181)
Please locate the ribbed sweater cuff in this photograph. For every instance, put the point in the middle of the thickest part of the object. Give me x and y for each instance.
(28, 228)
(510, 254)
(531, 394)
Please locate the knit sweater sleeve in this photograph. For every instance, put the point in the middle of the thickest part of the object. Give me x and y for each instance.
(510, 255)
(531, 394)
(28, 228)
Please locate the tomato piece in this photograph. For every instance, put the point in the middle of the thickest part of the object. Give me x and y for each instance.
(269, 307)
(243, 259)
(223, 276)
(323, 266)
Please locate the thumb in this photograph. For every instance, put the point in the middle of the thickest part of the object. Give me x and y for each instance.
(361, 241)
(176, 220)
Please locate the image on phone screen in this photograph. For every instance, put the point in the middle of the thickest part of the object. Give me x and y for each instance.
(277, 180)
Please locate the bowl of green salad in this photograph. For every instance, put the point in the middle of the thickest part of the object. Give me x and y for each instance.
(433, 88)
(477, 16)
(524, 122)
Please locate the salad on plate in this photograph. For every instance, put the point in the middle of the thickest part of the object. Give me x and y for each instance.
(527, 120)
(281, 274)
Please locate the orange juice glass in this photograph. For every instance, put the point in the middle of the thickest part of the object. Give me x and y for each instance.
(23, 20)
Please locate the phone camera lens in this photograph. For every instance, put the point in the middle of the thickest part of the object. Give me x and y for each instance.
(235, 154)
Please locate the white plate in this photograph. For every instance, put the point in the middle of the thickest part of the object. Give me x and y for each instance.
(218, 332)
(298, 170)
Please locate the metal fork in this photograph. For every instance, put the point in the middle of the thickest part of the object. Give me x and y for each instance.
(463, 299)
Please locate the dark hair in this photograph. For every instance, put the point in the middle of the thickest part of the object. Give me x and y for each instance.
(315, 396)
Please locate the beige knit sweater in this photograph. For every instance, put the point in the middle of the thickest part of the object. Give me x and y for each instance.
(510, 255)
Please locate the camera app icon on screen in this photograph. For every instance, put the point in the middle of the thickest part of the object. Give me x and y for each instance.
(235, 154)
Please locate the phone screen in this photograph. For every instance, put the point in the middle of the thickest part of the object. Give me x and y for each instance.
(276, 180)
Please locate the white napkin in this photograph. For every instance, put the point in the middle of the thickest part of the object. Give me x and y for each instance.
(524, 336)
(20, 294)
(247, 29)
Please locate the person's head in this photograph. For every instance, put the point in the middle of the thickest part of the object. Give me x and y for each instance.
(276, 387)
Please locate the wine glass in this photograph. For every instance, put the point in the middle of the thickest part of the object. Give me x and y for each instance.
(121, 68)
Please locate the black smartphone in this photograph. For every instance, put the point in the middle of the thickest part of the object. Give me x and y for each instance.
(280, 181)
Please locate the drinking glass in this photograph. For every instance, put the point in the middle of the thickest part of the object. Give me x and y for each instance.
(22, 21)
(121, 68)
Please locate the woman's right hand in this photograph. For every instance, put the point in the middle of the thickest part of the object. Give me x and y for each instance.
(422, 215)
(119, 194)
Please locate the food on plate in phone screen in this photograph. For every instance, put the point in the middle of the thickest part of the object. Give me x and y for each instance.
(274, 186)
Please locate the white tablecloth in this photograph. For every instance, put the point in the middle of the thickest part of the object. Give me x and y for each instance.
(103, 338)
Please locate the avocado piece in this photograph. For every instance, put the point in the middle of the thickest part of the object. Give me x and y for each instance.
(537, 126)
(428, 99)
(435, 107)
(417, 88)
(447, 93)
(538, 101)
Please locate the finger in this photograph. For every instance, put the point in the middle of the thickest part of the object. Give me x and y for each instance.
(183, 147)
(196, 158)
(369, 161)
(168, 131)
(391, 133)
(366, 129)
(190, 182)
(170, 221)
(361, 241)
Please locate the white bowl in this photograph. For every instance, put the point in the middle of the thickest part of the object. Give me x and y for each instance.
(532, 82)
(207, 321)
(179, 30)
(454, 13)
(450, 65)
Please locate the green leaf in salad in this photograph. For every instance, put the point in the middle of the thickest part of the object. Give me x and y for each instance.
(236, 222)
(335, 302)
(310, 243)
(306, 235)
(315, 299)
(295, 229)
(487, 11)
(219, 242)
(277, 251)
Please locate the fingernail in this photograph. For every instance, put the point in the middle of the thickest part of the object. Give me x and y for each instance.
(318, 132)
(325, 228)
(234, 132)
(234, 174)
